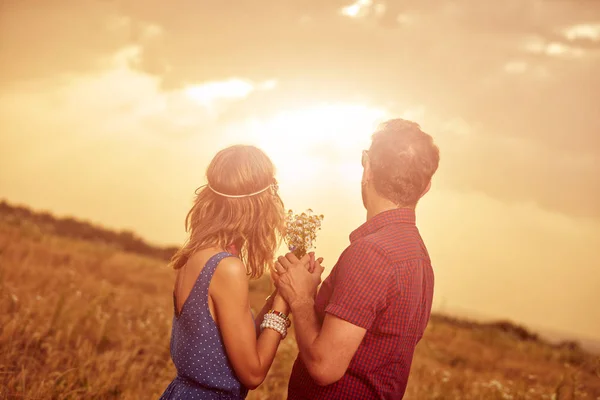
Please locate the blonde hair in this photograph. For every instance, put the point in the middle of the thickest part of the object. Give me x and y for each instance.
(254, 224)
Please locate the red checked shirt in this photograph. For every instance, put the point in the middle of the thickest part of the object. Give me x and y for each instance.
(382, 282)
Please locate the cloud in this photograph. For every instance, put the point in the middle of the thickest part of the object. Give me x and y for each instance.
(208, 93)
(583, 31)
(363, 8)
(108, 111)
(518, 74)
(517, 170)
(135, 30)
(356, 9)
(53, 38)
(541, 46)
(86, 133)
(112, 110)
(516, 67)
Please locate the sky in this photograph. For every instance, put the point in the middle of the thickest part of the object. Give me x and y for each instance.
(110, 111)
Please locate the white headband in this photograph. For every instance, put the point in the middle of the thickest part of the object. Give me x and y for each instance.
(237, 196)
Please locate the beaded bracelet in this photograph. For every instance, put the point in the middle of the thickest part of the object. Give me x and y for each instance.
(277, 319)
(275, 322)
(279, 328)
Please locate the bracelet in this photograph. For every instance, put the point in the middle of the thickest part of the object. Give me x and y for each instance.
(278, 313)
(273, 317)
(274, 325)
(282, 315)
(277, 322)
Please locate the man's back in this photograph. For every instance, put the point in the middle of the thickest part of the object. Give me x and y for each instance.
(383, 282)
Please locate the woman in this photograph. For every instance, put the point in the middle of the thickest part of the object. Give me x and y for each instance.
(235, 225)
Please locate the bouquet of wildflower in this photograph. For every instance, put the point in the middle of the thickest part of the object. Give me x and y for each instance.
(301, 231)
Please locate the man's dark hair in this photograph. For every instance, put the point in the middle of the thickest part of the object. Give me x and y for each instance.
(403, 160)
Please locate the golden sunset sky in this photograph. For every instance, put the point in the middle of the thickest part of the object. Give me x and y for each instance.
(111, 110)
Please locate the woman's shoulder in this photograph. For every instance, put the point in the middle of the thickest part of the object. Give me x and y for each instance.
(228, 265)
(231, 268)
(230, 280)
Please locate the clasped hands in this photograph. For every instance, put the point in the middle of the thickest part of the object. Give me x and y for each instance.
(297, 279)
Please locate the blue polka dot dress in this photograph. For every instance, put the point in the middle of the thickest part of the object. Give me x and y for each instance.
(203, 370)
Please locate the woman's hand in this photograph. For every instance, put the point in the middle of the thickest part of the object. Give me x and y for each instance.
(279, 304)
(308, 260)
(297, 283)
(276, 302)
(269, 300)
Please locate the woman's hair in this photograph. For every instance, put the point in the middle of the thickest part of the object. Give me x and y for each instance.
(254, 224)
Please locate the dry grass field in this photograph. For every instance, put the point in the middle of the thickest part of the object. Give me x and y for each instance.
(82, 320)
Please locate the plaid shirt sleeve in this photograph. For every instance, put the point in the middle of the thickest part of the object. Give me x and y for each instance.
(361, 282)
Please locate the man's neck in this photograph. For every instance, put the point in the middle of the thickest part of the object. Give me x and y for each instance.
(373, 211)
(380, 206)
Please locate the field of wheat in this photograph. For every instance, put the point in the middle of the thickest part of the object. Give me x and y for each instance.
(83, 320)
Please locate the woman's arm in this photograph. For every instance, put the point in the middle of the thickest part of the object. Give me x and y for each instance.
(268, 306)
(250, 356)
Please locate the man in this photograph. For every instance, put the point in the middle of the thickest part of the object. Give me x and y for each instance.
(357, 337)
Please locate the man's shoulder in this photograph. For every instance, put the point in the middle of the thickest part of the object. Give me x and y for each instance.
(364, 253)
(369, 245)
(400, 242)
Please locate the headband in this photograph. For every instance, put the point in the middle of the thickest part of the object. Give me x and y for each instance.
(237, 196)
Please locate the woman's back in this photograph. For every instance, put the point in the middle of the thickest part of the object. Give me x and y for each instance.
(203, 370)
(237, 212)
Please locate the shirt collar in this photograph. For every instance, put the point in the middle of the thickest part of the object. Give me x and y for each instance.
(395, 216)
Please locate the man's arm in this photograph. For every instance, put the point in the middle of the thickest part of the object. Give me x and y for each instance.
(325, 350)
(358, 294)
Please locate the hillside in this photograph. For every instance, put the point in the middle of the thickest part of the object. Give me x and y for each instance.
(86, 319)
(44, 223)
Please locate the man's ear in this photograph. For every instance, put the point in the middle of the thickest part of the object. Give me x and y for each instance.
(366, 176)
(426, 189)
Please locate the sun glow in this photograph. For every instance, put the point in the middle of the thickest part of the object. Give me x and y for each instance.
(306, 143)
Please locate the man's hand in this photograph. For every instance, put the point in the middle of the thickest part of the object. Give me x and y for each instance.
(295, 281)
